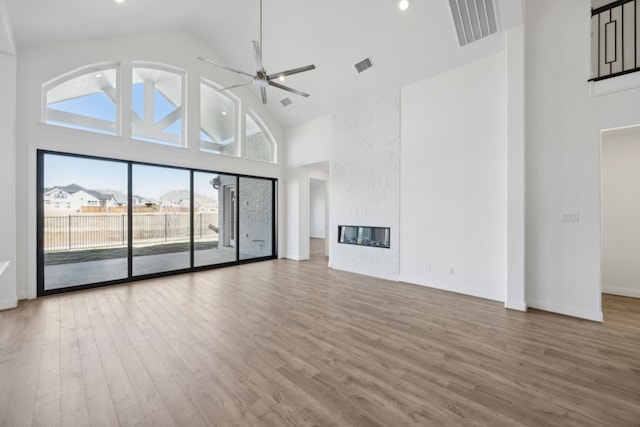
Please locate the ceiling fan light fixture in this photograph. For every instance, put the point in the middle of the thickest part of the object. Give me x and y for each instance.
(261, 79)
(403, 5)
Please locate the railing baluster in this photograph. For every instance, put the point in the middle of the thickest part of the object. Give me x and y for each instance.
(603, 38)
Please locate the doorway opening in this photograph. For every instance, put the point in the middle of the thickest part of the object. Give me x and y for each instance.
(318, 229)
(620, 210)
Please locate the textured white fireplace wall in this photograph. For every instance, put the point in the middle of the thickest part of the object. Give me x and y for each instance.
(365, 183)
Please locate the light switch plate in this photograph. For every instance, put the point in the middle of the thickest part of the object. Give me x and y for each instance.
(570, 217)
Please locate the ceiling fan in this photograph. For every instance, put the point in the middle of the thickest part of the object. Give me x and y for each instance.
(261, 79)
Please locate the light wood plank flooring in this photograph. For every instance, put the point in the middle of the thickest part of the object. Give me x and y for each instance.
(283, 343)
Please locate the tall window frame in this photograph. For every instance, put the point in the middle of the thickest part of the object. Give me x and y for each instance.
(258, 143)
(219, 118)
(158, 107)
(250, 138)
(77, 85)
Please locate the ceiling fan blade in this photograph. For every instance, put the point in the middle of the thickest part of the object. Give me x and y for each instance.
(234, 86)
(225, 67)
(257, 56)
(292, 71)
(263, 92)
(288, 89)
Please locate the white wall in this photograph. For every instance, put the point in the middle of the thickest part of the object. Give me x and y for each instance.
(308, 149)
(317, 207)
(454, 180)
(516, 208)
(6, 34)
(365, 183)
(8, 297)
(563, 126)
(621, 212)
(37, 65)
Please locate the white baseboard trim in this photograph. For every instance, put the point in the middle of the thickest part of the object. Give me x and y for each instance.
(473, 292)
(6, 304)
(296, 258)
(596, 316)
(393, 277)
(516, 305)
(623, 292)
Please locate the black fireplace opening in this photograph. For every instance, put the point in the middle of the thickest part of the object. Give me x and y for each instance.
(376, 237)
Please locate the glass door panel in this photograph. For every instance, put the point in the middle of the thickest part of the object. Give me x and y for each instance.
(214, 218)
(256, 218)
(104, 221)
(161, 219)
(84, 222)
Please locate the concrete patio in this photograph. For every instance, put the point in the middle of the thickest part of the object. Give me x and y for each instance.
(82, 273)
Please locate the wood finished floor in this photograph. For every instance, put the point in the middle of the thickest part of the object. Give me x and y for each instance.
(285, 343)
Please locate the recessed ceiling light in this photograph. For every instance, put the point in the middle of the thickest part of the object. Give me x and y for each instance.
(224, 113)
(119, 1)
(403, 5)
(282, 78)
(98, 75)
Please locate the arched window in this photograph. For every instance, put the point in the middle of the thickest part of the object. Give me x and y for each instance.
(218, 120)
(89, 99)
(86, 99)
(157, 98)
(258, 144)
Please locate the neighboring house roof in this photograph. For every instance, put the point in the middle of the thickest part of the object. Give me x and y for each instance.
(74, 188)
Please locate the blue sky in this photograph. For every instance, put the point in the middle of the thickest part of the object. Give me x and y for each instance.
(94, 105)
(98, 105)
(148, 181)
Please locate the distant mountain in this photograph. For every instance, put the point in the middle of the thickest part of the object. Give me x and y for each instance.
(176, 196)
(172, 196)
(120, 196)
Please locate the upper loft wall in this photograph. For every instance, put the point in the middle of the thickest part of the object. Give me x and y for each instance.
(599, 3)
(563, 124)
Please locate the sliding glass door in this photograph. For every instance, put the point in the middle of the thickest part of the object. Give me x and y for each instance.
(84, 221)
(215, 218)
(161, 213)
(104, 221)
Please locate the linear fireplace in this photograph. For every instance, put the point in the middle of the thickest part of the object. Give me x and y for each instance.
(377, 237)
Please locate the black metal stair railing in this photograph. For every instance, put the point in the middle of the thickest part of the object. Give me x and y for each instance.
(615, 39)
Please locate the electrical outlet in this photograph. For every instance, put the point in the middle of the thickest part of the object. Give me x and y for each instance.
(428, 268)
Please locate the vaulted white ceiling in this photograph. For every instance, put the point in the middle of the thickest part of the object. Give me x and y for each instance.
(334, 35)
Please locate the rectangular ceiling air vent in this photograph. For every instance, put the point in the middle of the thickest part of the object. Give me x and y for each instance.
(473, 19)
(363, 65)
(285, 102)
